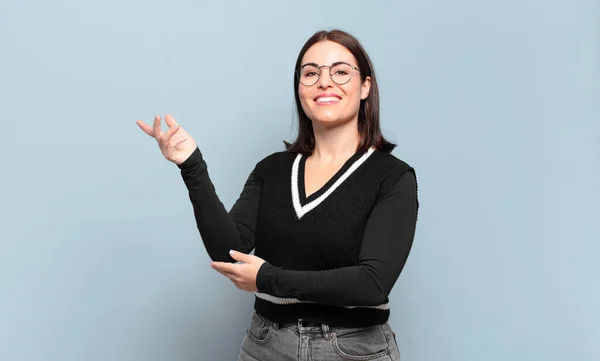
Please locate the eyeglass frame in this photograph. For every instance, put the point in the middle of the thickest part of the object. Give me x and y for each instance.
(330, 75)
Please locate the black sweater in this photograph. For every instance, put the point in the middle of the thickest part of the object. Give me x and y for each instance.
(332, 257)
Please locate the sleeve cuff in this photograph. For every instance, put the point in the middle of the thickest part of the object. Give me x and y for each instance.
(264, 278)
(193, 159)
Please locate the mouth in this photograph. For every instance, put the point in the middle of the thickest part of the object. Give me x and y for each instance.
(327, 99)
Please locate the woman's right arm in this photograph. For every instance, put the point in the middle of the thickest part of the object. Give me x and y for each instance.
(221, 231)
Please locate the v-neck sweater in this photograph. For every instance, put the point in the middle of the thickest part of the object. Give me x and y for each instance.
(332, 257)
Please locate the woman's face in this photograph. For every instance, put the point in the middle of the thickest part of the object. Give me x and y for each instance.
(327, 102)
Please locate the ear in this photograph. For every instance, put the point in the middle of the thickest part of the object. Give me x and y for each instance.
(365, 88)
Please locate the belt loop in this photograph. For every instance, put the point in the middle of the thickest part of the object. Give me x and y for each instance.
(326, 333)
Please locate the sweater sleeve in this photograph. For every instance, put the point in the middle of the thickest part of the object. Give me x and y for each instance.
(385, 248)
(219, 229)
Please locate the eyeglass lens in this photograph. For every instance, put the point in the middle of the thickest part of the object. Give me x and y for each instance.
(340, 74)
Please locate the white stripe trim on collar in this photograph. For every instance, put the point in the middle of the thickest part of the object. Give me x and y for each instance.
(302, 210)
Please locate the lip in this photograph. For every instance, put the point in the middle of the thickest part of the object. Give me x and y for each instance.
(327, 95)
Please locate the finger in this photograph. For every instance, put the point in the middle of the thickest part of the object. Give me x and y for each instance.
(171, 132)
(145, 127)
(240, 257)
(156, 127)
(170, 120)
(225, 267)
(228, 275)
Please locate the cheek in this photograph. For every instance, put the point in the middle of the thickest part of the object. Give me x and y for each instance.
(303, 92)
(353, 89)
(304, 96)
(353, 94)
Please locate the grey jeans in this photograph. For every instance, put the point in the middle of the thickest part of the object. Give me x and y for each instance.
(268, 341)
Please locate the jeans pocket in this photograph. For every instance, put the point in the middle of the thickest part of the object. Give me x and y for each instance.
(259, 329)
(361, 344)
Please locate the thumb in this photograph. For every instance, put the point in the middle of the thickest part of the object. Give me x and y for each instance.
(240, 257)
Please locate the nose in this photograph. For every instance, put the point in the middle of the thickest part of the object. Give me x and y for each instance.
(325, 78)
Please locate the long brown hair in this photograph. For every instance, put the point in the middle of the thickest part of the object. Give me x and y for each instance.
(368, 114)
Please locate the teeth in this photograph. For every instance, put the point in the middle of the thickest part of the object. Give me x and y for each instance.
(328, 99)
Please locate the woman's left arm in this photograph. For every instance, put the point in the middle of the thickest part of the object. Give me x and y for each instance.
(386, 245)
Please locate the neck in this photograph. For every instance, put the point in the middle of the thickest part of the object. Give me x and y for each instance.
(336, 142)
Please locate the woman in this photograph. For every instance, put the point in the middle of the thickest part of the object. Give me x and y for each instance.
(331, 219)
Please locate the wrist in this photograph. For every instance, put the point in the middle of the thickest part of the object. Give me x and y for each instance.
(193, 158)
(264, 277)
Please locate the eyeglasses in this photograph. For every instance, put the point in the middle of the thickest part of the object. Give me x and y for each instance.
(340, 73)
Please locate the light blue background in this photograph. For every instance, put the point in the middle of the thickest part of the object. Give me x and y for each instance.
(496, 104)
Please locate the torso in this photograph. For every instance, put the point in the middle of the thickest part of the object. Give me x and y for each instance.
(320, 228)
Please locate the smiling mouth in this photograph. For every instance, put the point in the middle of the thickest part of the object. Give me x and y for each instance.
(327, 100)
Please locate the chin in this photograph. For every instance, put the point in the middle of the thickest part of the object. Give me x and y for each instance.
(328, 122)
(325, 116)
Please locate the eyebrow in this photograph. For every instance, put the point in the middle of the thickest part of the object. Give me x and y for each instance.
(332, 64)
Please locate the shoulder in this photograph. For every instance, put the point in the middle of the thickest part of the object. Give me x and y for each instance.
(276, 160)
(394, 171)
(391, 165)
